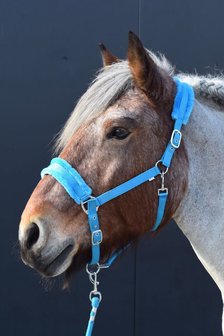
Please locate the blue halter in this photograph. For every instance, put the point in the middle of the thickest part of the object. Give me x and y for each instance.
(81, 193)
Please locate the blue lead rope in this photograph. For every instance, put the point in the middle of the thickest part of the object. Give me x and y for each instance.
(95, 301)
(81, 193)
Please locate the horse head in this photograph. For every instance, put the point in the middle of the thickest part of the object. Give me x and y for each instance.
(119, 128)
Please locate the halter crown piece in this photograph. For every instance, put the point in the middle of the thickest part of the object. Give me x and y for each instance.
(81, 193)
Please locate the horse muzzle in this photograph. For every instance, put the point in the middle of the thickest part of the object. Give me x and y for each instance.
(40, 249)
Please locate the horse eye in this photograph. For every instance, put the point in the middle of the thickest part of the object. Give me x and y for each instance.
(118, 133)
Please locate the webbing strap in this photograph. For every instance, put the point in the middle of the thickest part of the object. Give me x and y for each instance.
(148, 175)
(114, 256)
(96, 233)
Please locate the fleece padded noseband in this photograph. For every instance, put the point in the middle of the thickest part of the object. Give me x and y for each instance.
(69, 178)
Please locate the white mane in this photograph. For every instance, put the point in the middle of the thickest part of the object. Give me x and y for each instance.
(116, 79)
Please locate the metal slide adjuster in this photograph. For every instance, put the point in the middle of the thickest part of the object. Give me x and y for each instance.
(175, 139)
(97, 237)
(83, 203)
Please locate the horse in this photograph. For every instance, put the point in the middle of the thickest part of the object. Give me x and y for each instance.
(119, 128)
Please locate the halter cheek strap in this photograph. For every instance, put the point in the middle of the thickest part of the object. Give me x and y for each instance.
(81, 193)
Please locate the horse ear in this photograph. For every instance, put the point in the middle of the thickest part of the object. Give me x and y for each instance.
(145, 72)
(107, 57)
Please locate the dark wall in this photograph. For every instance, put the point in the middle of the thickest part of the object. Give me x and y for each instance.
(48, 55)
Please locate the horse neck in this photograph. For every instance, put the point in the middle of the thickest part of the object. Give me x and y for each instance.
(200, 214)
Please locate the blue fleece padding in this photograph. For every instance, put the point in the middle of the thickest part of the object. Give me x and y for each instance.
(69, 178)
(183, 102)
(182, 108)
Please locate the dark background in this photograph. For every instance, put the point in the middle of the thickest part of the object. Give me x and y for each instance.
(48, 55)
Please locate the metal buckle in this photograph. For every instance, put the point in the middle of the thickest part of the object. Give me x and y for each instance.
(84, 202)
(97, 233)
(163, 191)
(175, 145)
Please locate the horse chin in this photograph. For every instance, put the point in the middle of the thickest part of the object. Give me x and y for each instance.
(53, 264)
(79, 261)
(59, 265)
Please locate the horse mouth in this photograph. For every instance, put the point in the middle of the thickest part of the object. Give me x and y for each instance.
(59, 264)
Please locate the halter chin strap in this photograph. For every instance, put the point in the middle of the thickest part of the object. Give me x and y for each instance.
(81, 193)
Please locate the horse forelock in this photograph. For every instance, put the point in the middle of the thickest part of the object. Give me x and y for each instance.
(110, 83)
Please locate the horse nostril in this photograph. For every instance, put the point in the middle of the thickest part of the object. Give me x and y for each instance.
(32, 235)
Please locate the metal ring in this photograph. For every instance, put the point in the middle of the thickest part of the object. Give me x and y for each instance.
(95, 293)
(95, 272)
(162, 172)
